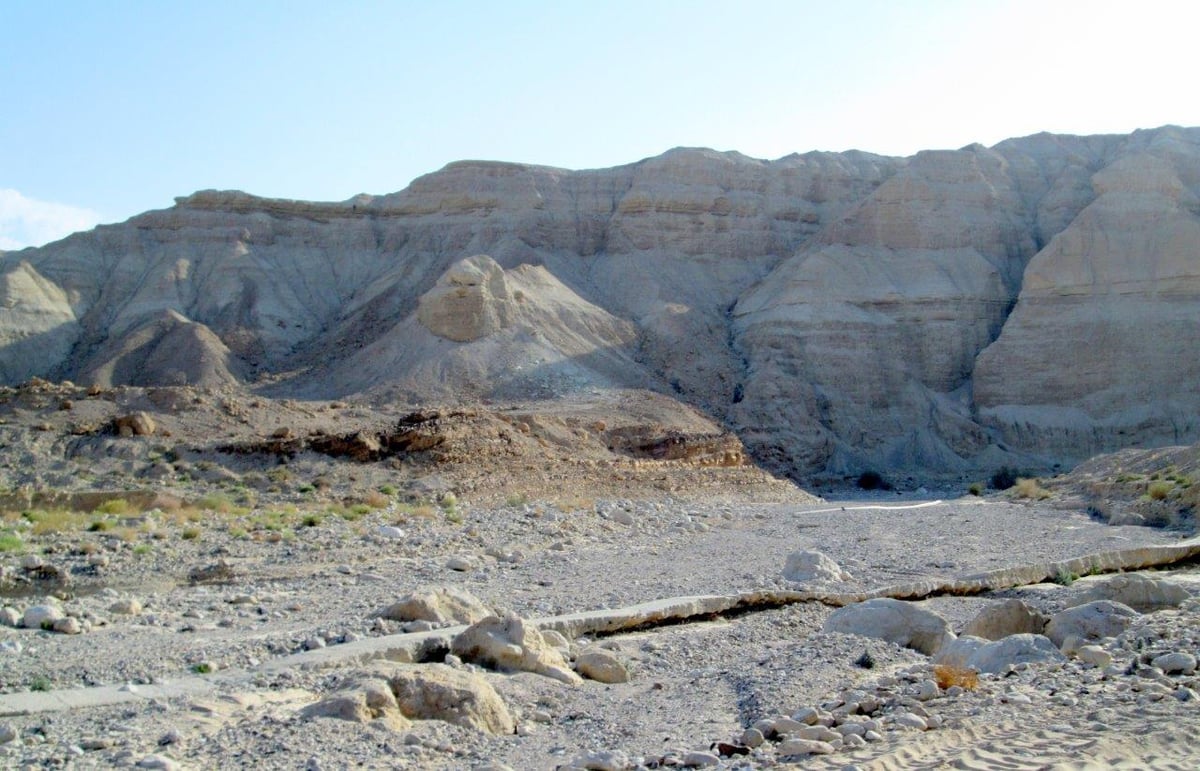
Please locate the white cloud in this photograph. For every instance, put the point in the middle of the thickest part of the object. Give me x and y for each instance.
(29, 222)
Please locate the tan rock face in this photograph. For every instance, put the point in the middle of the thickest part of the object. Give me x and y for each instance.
(1025, 304)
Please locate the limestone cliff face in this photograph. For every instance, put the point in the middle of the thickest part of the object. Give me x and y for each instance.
(1033, 302)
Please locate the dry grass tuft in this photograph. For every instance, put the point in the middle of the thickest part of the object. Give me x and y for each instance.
(1029, 488)
(948, 676)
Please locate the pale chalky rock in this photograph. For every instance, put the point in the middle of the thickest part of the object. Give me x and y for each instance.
(608, 760)
(42, 616)
(1001, 655)
(367, 698)
(10, 616)
(601, 665)
(804, 747)
(902, 623)
(697, 759)
(440, 692)
(1140, 592)
(439, 605)
(134, 424)
(1093, 621)
(1003, 618)
(1093, 654)
(128, 607)
(511, 644)
(804, 566)
(68, 625)
(1177, 663)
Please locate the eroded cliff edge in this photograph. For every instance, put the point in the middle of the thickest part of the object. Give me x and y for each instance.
(1031, 303)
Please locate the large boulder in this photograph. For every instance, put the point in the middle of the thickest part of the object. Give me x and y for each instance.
(1006, 618)
(902, 623)
(1093, 621)
(440, 605)
(1140, 592)
(601, 665)
(365, 698)
(511, 644)
(805, 566)
(1000, 655)
(440, 692)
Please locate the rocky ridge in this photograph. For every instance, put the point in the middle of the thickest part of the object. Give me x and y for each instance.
(1032, 303)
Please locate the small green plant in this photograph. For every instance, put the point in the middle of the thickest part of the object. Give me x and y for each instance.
(311, 520)
(190, 533)
(238, 532)
(517, 499)
(1004, 478)
(203, 668)
(306, 489)
(865, 661)
(218, 503)
(116, 506)
(100, 526)
(976, 488)
(11, 543)
(1159, 490)
(142, 549)
(39, 683)
(1064, 577)
(873, 480)
(388, 490)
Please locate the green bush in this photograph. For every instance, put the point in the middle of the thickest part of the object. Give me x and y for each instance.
(1159, 491)
(976, 488)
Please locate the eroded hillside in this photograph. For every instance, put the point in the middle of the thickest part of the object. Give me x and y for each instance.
(1031, 303)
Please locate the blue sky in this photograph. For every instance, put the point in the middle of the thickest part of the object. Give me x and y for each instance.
(113, 108)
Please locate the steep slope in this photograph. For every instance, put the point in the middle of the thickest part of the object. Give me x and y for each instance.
(840, 311)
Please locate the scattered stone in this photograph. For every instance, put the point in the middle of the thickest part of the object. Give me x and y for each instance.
(42, 616)
(1093, 621)
(1177, 663)
(1094, 655)
(368, 697)
(10, 617)
(601, 665)
(161, 762)
(902, 623)
(8, 733)
(439, 692)
(391, 531)
(698, 759)
(910, 720)
(438, 605)
(460, 564)
(804, 747)
(314, 643)
(511, 644)
(220, 572)
(1138, 591)
(134, 424)
(998, 656)
(68, 625)
(611, 760)
(1001, 619)
(805, 566)
(127, 607)
(752, 737)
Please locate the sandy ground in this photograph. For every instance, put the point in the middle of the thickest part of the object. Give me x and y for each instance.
(693, 684)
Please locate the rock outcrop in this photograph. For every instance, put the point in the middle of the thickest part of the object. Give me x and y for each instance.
(1031, 303)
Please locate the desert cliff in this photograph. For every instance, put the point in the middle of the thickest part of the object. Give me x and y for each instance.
(1032, 303)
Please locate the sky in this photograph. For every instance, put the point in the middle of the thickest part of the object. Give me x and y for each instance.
(108, 109)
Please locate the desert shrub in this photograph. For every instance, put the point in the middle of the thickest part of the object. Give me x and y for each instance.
(1158, 491)
(190, 533)
(516, 499)
(388, 490)
(947, 676)
(100, 526)
(976, 488)
(114, 506)
(865, 661)
(376, 500)
(1004, 478)
(1064, 578)
(39, 683)
(1029, 488)
(11, 543)
(218, 503)
(310, 520)
(873, 480)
